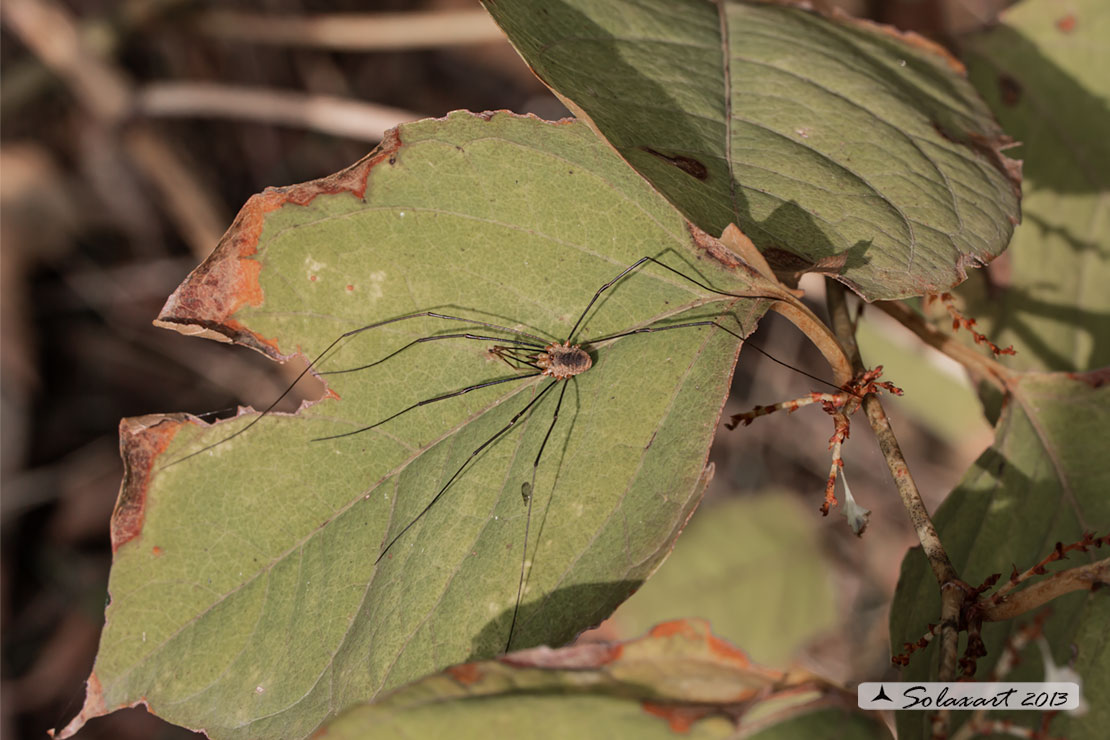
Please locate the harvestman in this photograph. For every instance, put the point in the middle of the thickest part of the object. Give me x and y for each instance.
(559, 361)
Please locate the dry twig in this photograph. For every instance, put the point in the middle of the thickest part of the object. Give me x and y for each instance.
(985, 367)
(324, 113)
(952, 589)
(354, 31)
(51, 33)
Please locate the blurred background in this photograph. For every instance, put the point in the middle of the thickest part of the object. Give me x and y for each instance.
(130, 134)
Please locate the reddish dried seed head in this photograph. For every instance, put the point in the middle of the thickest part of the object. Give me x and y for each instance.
(562, 361)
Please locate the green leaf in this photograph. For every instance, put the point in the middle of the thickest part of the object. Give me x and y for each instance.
(822, 722)
(836, 145)
(1043, 481)
(760, 551)
(245, 597)
(680, 681)
(1042, 73)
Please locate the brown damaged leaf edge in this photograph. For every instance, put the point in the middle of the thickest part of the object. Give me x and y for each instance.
(991, 149)
(142, 439)
(488, 115)
(698, 630)
(228, 279)
(910, 38)
(682, 715)
(588, 655)
(94, 707)
(680, 718)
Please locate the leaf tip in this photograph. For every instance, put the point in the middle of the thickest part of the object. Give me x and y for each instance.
(142, 440)
(228, 280)
(93, 707)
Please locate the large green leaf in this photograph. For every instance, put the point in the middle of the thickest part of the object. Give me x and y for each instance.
(1043, 481)
(1043, 74)
(245, 597)
(760, 551)
(679, 681)
(836, 145)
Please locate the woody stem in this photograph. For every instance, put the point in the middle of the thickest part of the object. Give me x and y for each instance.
(952, 591)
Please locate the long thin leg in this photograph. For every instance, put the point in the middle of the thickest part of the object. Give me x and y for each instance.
(601, 290)
(434, 315)
(531, 489)
(632, 267)
(650, 329)
(777, 361)
(266, 411)
(426, 401)
(414, 342)
(512, 353)
(462, 467)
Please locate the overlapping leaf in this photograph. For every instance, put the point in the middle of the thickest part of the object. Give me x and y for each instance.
(1043, 481)
(836, 145)
(679, 681)
(245, 598)
(1041, 71)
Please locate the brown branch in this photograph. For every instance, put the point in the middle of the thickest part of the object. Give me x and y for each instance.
(766, 284)
(51, 33)
(836, 443)
(324, 113)
(354, 31)
(854, 381)
(888, 443)
(1087, 541)
(1011, 657)
(1081, 578)
(953, 591)
(189, 204)
(838, 405)
(53, 36)
(982, 366)
(907, 490)
(909, 648)
(825, 341)
(103, 34)
(959, 321)
(829, 400)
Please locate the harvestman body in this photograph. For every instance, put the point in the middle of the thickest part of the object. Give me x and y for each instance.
(559, 361)
(562, 361)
